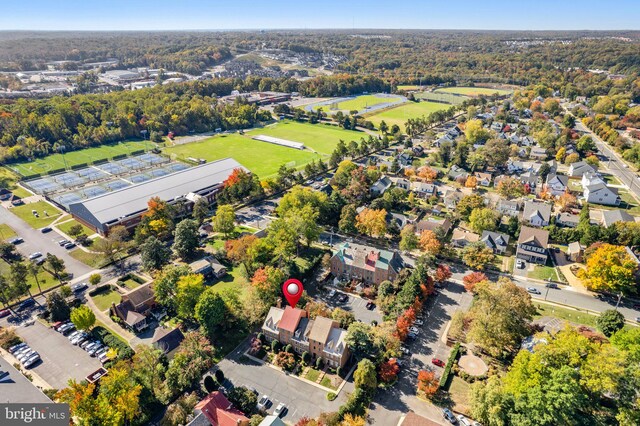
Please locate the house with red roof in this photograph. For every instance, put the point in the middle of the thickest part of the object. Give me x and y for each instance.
(217, 409)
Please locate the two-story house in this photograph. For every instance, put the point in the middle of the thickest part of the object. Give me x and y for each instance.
(423, 190)
(369, 264)
(496, 241)
(321, 337)
(596, 191)
(532, 245)
(484, 179)
(579, 168)
(536, 213)
(556, 184)
(510, 207)
(135, 306)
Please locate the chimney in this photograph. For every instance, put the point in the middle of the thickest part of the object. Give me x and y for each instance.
(279, 303)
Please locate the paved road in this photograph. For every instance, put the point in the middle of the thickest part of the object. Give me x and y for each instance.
(34, 241)
(388, 406)
(616, 165)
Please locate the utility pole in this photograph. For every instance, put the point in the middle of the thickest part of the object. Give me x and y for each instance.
(618, 302)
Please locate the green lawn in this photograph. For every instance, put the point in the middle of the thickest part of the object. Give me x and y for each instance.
(449, 98)
(103, 300)
(262, 158)
(543, 273)
(72, 158)
(473, 91)
(321, 138)
(21, 192)
(360, 103)
(91, 259)
(326, 382)
(24, 213)
(65, 226)
(312, 374)
(6, 231)
(45, 279)
(460, 392)
(400, 114)
(233, 280)
(576, 317)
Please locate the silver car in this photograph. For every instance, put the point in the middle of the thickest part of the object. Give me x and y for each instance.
(32, 360)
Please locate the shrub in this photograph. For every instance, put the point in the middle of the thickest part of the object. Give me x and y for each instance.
(331, 396)
(285, 360)
(8, 338)
(319, 363)
(210, 384)
(306, 357)
(288, 349)
(260, 337)
(275, 346)
(339, 371)
(124, 350)
(447, 369)
(219, 376)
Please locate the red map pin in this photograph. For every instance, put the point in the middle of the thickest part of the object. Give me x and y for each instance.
(292, 289)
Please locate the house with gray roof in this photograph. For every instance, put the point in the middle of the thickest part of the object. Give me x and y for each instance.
(609, 217)
(536, 213)
(496, 241)
(369, 264)
(510, 207)
(556, 184)
(381, 186)
(579, 168)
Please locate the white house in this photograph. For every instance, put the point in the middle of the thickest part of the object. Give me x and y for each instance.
(597, 192)
(580, 168)
(557, 184)
(536, 213)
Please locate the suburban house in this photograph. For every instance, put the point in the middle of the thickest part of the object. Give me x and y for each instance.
(218, 411)
(397, 219)
(484, 179)
(457, 172)
(609, 217)
(575, 251)
(209, 267)
(372, 265)
(557, 184)
(381, 186)
(538, 153)
(461, 238)
(135, 307)
(321, 337)
(434, 224)
(451, 199)
(166, 339)
(532, 245)
(496, 241)
(509, 207)
(529, 178)
(536, 213)
(402, 183)
(597, 192)
(568, 220)
(579, 168)
(423, 190)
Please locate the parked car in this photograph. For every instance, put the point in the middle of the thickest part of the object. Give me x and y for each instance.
(79, 287)
(81, 337)
(371, 306)
(5, 313)
(69, 246)
(551, 285)
(46, 229)
(84, 345)
(15, 348)
(103, 358)
(332, 294)
(61, 243)
(31, 361)
(35, 255)
(73, 335)
(263, 402)
(533, 290)
(67, 328)
(16, 240)
(414, 330)
(343, 297)
(96, 349)
(519, 264)
(26, 354)
(280, 409)
(463, 420)
(405, 350)
(418, 322)
(448, 415)
(412, 336)
(438, 362)
(26, 304)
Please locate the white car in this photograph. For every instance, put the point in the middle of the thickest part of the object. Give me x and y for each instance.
(280, 409)
(533, 290)
(35, 255)
(418, 323)
(263, 402)
(31, 360)
(463, 420)
(413, 330)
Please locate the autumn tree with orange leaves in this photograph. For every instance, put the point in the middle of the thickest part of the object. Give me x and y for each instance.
(471, 182)
(427, 173)
(443, 273)
(429, 242)
(389, 370)
(405, 321)
(267, 282)
(470, 280)
(372, 222)
(427, 383)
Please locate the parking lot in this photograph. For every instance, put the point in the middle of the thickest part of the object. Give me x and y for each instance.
(258, 215)
(61, 360)
(302, 399)
(353, 304)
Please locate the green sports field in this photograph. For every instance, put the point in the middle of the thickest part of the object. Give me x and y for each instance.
(449, 98)
(264, 158)
(400, 114)
(359, 103)
(72, 158)
(473, 91)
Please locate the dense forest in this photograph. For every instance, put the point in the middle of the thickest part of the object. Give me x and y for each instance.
(507, 56)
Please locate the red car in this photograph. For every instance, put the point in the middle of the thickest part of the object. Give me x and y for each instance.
(438, 362)
(4, 313)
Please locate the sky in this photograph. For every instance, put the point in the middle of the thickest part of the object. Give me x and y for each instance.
(98, 15)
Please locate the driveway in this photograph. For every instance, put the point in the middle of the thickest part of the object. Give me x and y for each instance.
(388, 406)
(61, 360)
(302, 399)
(354, 304)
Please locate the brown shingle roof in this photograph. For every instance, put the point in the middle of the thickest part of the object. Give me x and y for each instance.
(321, 329)
(140, 295)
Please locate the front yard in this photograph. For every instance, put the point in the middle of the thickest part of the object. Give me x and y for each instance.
(544, 273)
(105, 298)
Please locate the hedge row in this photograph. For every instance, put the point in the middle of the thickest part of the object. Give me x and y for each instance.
(447, 369)
(109, 339)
